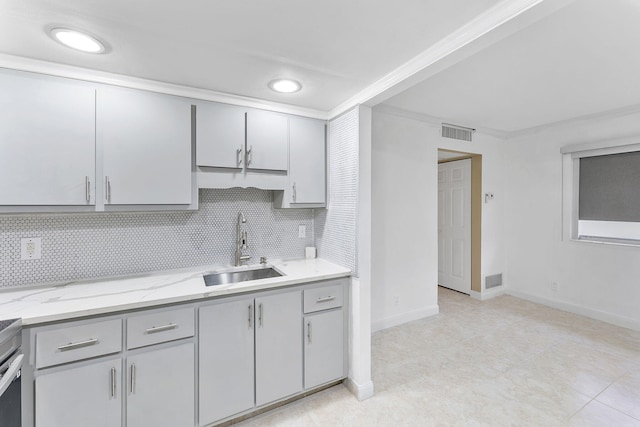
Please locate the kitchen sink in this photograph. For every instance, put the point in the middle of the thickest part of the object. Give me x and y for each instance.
(214, 279)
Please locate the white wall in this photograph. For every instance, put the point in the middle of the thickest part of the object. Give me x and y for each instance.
(405, 215)
(601, 281)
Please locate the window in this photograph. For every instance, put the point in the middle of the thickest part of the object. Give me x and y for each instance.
(604, 193)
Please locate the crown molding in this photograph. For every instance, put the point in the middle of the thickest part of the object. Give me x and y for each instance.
(435, 121)
(549, 127)
(495, 24)
(79, 73)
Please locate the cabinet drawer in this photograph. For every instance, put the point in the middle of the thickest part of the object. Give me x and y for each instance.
(160, 326)
(323, 298)
(78, 341)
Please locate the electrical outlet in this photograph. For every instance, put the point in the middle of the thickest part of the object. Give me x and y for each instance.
(554, 286)
(396, 300)
(31, 248)
(302, 231)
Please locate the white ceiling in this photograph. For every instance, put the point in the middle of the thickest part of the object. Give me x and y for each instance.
(336, 48)
(581, 60)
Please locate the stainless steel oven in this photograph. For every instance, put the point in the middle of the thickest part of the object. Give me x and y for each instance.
(10, 366)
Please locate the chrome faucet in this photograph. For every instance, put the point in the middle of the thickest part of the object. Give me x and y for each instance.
(241, 240)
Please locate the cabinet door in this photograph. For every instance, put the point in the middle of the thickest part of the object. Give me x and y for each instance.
(220, 134)
(226, 369)
(47, 141)
(145, 142)
(323, 348)
(89, 395)
(160, 388)
(278, 346)
(267, 140)
(307, 160)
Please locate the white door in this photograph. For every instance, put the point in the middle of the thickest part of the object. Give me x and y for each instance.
(267, 140)
(307, 160)
(454, 225)
(323, 348)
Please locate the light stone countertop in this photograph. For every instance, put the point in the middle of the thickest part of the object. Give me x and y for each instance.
(71, 300)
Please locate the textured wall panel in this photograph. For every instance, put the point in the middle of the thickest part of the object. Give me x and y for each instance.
(82, 246)
(335, 227)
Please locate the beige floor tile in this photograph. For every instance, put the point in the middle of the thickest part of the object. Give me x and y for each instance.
(502, 362)
(624, 394)
(597, 414)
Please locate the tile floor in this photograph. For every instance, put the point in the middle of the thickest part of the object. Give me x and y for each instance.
(502, 362)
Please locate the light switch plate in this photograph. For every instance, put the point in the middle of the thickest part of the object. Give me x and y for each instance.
(31, 248)
(302, 231)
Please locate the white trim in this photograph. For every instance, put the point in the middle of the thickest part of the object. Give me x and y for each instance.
(401, 318)
(411, 72)
(78, 73)
(487, 293)
(360, 391)
(432, 120)
(613, 319)
(602, 147)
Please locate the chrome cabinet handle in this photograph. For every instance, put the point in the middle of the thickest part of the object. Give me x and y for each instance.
(249, 155)
(133, 378)
(155, 329)
(76, 345)
(326, 299)
(113, 382)
(87, 188)
(295, 195)
(260, 313)
(250, 315)
(107, 189)
(309, 331)
(239, 156)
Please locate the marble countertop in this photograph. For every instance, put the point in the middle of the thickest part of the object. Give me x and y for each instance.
(71, 300)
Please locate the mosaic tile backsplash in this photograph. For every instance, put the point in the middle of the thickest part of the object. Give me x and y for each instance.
(82, 246)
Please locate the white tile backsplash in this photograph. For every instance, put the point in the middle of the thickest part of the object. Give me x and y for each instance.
(85, 246)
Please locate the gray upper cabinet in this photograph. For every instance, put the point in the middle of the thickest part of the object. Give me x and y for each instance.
(307, 165)
(47, 141)
(267, 141)
(220, 135)
(144, 140)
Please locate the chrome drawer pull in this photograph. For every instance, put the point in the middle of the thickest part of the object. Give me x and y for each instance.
(155, 329)
(325, 299)
(75, 345)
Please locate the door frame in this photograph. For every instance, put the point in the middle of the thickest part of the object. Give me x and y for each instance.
(476, 213)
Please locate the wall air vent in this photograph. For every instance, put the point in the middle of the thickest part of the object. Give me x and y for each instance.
(493, 281)
(457, 132)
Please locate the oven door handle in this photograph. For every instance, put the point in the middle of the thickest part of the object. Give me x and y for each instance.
(12, 371)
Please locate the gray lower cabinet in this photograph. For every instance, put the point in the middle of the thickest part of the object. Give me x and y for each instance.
(323, 348)
(226, 373)
(80, 396)
(160, 387)
(235, 336)
(278, 346)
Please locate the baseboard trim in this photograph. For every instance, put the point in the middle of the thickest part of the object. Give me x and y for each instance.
(624, 322)
(360, 391)
(399, 319)
(488, 293)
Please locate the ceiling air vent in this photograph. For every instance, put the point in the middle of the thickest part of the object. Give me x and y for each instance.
(457, 132)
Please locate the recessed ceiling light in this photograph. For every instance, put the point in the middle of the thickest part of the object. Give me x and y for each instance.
(285, 85)
(78, 40)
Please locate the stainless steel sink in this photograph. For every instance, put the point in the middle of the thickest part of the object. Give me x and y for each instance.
(214, 279)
